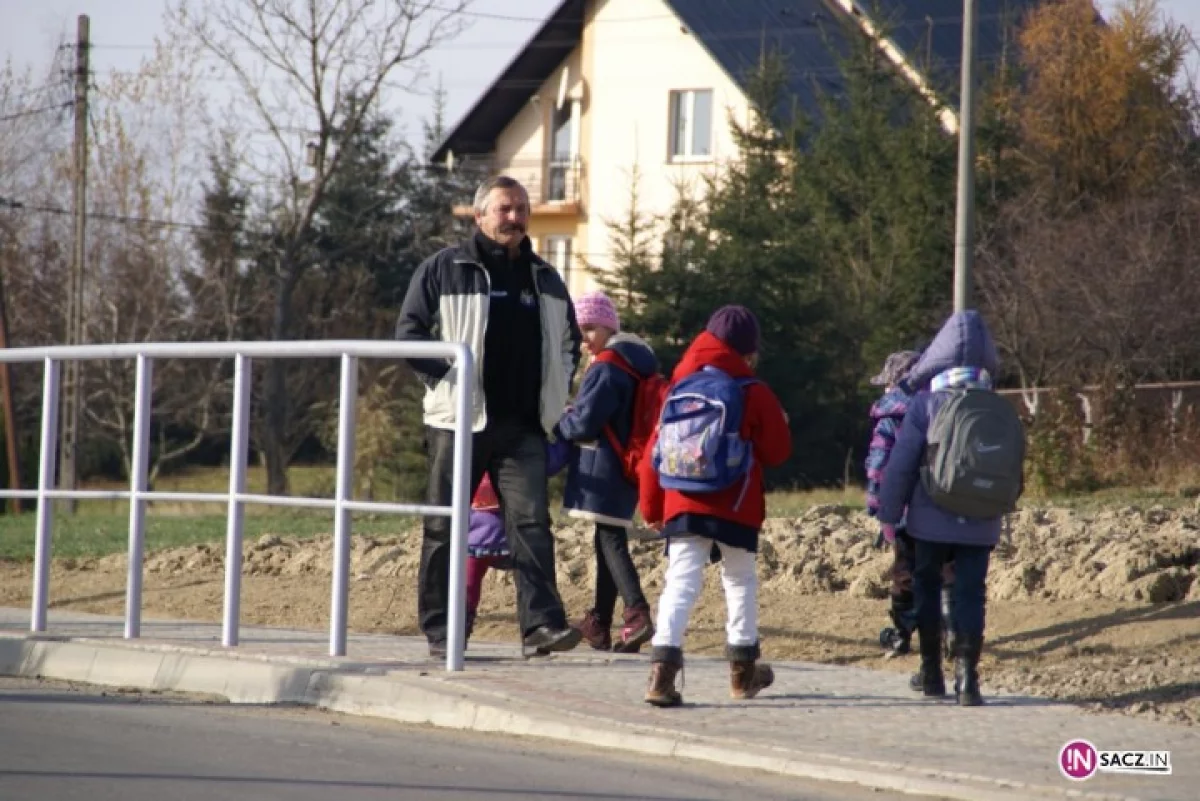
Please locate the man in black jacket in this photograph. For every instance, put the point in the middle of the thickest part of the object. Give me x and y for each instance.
(496, 295)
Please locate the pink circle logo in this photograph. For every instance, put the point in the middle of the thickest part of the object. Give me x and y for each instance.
(1078, 760)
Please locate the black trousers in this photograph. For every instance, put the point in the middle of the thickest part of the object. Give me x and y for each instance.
(615, 572)
(514, 456)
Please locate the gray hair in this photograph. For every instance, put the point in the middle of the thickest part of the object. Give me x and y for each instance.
(484, 192)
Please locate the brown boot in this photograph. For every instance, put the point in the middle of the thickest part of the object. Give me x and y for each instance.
(747, 676)
(748, 679)
(665, 666)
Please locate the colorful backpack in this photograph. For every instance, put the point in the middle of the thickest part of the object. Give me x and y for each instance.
(700, 446)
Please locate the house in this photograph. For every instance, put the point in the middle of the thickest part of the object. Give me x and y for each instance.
(607, 88)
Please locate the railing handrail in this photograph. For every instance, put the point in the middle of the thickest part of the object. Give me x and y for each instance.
(289, 349)
(343, 502)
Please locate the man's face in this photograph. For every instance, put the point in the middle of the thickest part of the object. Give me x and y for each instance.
(506, 217)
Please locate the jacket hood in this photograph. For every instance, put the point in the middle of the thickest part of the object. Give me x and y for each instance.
(964, 341)
(894, 403)
(636, 352)
(707, 350)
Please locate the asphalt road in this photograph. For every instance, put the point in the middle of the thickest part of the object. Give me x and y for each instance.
(62, 741)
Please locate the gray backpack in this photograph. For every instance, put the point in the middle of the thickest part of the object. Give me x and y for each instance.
(975, 455)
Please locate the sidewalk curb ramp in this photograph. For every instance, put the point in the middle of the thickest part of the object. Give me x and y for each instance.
(427, 698)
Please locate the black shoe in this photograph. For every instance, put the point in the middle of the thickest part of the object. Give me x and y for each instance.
(437, 649)
(547, 639)
(895, 642)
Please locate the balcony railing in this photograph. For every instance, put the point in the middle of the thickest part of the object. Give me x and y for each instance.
(553, 186)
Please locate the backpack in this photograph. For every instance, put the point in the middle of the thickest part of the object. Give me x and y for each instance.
(700, 446)
(648, 394)
(975, 455)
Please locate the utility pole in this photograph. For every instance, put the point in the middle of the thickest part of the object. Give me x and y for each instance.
(964, 228)
(71, 370)
(10, 426)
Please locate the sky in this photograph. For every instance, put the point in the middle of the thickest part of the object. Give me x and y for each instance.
(123, 32)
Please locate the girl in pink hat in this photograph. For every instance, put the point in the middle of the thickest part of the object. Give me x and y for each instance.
(600, 423)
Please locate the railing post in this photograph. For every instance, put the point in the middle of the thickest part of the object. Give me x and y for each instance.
(239, 446)
(464, 368)
(45, 507)
(347, 400)
(138, 479)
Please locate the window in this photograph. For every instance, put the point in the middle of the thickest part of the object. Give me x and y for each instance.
(564, 145)
(557, 251)
(691, 125)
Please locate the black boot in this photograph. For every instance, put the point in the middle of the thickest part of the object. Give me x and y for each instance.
(896, 639)
(929, 679)
(966, 671)
(948, 619)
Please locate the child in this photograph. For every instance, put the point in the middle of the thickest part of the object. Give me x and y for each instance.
(600, 422)
(886, 414)
(961, 357)
(731, 517)
(487, 544)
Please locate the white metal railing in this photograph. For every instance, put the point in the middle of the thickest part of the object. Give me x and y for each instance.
(342, 503)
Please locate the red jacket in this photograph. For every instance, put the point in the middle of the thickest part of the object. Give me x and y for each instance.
(764, 424)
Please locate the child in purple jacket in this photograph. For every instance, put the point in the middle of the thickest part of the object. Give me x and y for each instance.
(487, 543)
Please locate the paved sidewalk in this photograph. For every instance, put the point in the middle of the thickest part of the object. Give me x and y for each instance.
(818, 721)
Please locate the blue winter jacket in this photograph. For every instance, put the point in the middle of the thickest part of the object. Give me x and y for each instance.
(596, 485)
(964, 341)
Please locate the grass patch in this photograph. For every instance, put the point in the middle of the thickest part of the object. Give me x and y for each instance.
(101, 528)
(94, 534)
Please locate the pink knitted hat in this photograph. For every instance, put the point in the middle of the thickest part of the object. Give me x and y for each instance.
(595, 308)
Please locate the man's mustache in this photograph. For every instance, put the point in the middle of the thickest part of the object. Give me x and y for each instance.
(512, 229)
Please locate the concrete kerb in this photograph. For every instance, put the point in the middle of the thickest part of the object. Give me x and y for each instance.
(432, 701)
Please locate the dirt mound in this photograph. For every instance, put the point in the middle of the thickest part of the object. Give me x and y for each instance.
(1121, 554)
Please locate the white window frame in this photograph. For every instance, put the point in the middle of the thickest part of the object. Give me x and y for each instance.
(689, 120)
(558, 249)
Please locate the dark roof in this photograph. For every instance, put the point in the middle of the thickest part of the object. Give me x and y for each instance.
(476, 133)
(808, 33)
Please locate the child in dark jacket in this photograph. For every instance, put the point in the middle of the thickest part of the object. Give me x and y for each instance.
(962, 356)
(597, 489)
(730, 518)
(487, 542)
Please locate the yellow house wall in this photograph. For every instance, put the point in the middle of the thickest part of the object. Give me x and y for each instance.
(632, 67)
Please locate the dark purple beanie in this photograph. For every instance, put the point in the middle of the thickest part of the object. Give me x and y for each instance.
(737, 327)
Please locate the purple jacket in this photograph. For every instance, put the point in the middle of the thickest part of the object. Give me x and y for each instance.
(887, 414)
(964, 341)
(486, 536)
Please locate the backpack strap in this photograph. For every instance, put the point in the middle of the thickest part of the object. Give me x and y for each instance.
(610, 356)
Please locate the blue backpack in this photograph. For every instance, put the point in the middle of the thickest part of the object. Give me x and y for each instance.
(700, 446)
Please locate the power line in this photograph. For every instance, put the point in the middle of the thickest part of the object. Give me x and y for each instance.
(126, 219)
(33, 111)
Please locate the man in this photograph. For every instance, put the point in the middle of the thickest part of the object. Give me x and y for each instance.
(494, 293)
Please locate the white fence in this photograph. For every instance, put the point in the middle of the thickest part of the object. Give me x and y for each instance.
(342, 504)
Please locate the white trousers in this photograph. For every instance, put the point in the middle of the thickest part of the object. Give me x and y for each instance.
(685, 579)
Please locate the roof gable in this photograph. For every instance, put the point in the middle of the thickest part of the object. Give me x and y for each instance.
(476, 132)
(811, 35)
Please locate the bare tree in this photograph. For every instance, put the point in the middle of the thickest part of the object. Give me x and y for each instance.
(304, 70)
(148, 130)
